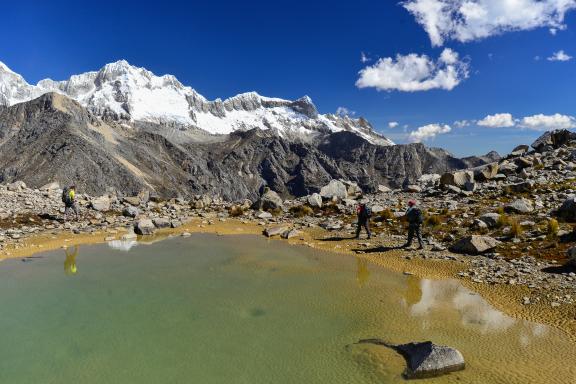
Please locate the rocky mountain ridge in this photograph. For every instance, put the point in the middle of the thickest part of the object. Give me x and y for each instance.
(55, 139)
(125, 93)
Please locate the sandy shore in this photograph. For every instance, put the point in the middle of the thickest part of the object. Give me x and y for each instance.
(506, 298)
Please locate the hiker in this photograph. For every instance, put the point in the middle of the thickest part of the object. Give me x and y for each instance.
(69, 200)
(364, 213)
(415, 220)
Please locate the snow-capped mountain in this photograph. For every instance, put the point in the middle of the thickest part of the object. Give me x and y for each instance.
(120, 91)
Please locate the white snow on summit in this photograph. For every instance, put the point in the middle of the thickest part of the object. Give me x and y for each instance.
(121, 91)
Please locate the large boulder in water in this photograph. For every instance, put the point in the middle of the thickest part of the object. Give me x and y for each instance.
(269, 201)
(474, 245)
(425, 360)
(334, 190)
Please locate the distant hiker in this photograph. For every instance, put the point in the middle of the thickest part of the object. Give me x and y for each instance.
(364, 212)
(69, 200)
(415, 220)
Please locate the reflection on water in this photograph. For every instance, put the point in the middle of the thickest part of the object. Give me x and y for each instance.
(362, 272)
(122, 245)
(70, 262)
(442, 295)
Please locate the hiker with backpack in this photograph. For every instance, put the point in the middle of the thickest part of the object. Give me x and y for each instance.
(364, 212)
(69, 200)
(415, 219)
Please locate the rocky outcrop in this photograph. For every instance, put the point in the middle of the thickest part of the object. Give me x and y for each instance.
(553, 139)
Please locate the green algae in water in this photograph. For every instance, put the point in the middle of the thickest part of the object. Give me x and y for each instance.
(241, 309)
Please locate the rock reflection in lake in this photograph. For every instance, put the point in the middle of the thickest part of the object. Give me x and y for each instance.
(122, 245)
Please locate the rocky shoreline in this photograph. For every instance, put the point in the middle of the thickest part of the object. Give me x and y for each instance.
(505, 226)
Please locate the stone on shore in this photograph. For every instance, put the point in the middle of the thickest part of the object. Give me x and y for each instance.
(520, 206)
(161, 222)
(144, 227)
(276, 230)
(130, 211)
(269, 201)
(474, 245)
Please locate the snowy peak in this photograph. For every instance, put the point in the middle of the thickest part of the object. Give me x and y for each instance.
(120, 91)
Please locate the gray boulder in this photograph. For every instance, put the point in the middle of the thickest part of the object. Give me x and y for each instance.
(291, 233)
(474, 245)
(101, 204)
(384, 189)
(567, 210)
(523, 187)
(458, 179)
(315, 200)
(132, 200)
(334, 190)
(130, 211)
(426, 360)
(520, 150)
(144, 227)
(491, 219)
(276, 230)
(269, 201)
(486, 172)
(519, 206)
(161, 223)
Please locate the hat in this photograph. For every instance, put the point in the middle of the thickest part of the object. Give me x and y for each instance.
(412, 203)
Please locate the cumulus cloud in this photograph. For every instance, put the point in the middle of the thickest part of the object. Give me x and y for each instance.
(499, 120)
(393, 124)
(548, 122)
(428, 132)
(343, 111)
(469, 20)
(560, 56)
(413, 73)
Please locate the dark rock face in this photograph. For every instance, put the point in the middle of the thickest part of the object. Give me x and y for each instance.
(53, 138)
(553, 139)
(425, 360)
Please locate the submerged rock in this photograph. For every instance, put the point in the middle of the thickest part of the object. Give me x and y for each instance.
(425, 360)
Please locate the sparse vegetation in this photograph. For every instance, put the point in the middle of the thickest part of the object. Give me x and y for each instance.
(552, 228)
(301, 211)
(516, 229)
(503, 220)
(432, 221)
(386, 214)
(236, 211)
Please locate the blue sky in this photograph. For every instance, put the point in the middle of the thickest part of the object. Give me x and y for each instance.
(292, 48)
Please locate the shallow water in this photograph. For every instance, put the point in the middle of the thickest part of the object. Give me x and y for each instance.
(240, 309)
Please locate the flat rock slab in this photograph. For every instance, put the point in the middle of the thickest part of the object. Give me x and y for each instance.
(425, 360)
(275, 230)
(474, 245)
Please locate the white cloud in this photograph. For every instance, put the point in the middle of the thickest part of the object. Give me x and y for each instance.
(393, 124)
(469, 20)
(462, 123)
(428, 132)
(364, 58)
(499, 120)
(343, 111)
(548, 122)
(560, 56)
(412, 73)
